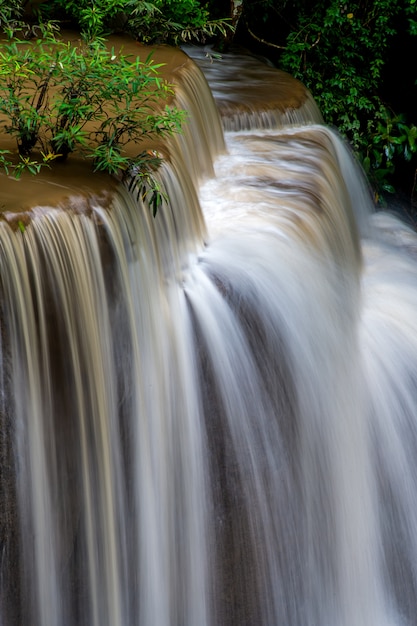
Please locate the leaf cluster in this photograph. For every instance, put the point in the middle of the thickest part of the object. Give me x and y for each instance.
(57, 99)
(339, 50)
(159, 21)
(10, 12)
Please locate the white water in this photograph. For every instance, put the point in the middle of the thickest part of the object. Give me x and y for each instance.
(213, 414)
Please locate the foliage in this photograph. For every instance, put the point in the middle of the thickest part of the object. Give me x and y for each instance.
(10, 11)
(171, 21)
(388, 139)
(57, 99)
(339, 49)
(92, 18)
(160, 21)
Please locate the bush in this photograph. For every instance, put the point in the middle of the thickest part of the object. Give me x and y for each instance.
(160, 21)
(91, 18)
(56, 99)
(174, 21)
(339, 51)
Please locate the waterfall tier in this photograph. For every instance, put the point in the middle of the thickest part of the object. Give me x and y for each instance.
(209, 417)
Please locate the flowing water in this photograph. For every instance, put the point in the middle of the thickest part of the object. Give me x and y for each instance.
(209, 418)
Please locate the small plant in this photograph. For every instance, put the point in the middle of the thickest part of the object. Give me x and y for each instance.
(57, 99)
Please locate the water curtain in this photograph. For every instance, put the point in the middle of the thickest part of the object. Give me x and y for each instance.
(209, 418)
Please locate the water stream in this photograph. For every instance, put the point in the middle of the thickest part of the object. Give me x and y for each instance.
(209, 418)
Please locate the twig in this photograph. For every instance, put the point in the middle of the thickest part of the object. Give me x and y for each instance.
(266, 43)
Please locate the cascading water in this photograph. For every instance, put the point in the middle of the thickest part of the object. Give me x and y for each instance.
(209, 418)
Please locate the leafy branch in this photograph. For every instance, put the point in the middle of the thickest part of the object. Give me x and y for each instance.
(57, 99)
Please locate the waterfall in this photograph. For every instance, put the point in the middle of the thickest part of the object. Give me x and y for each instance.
(208, 418)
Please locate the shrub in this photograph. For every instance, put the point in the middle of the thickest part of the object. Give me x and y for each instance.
(160, 21)
(94, 19)
(339, 51)
(57, 99)
(171, 21)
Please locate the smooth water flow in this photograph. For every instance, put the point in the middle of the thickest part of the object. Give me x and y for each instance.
(209, 418)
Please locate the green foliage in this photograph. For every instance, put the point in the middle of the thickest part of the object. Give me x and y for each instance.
(93, 19)
(188, 12)
(57, 99)
(339, 50)
(411, 12)
(10, 11)
(159, 21)
(174, 23)
(389, 139)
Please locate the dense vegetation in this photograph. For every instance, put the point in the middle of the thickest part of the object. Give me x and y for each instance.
(344, 52)
(57, 99)
(357, 58)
